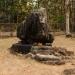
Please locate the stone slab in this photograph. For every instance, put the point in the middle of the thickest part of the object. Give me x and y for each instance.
(26, 48)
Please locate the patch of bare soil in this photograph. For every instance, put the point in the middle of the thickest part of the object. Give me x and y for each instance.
(19, 65)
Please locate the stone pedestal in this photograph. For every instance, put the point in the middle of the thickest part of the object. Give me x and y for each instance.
(21, 48)
(26, 48)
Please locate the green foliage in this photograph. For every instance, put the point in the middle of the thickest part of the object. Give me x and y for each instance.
(20, 8)
(55, 11)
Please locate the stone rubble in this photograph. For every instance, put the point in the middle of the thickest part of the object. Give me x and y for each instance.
(51, 55)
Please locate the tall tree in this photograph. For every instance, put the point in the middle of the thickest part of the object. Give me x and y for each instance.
(67, 8)
(55, 11)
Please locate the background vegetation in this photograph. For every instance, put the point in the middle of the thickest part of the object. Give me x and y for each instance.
(13, 12)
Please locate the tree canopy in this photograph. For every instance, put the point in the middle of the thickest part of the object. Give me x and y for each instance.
(15, 11)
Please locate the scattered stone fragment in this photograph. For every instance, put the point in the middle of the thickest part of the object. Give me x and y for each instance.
(41, 57)
(69, 72)
(52, 55)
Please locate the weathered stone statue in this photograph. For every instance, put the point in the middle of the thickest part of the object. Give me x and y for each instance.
(32, 30)
(35, 29)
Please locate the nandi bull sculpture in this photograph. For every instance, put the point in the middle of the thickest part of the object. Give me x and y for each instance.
(34, 30)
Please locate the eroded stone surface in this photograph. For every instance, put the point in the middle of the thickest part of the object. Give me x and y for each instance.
(69, 71)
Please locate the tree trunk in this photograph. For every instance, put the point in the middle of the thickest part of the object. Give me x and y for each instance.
(67, 8)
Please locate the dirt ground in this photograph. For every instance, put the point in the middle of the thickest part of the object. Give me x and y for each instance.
(16, 65)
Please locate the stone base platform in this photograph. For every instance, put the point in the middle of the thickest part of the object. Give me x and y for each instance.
(26, 48)
(21, 48)
(43, 53)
